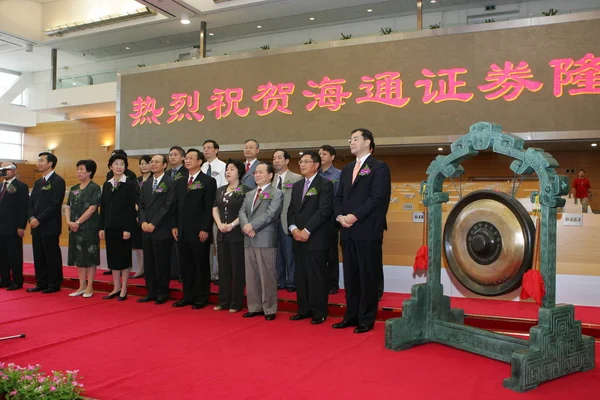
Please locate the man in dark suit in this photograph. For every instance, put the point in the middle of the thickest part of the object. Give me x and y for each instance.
(45, 218)
(177, 172)
(309, 218)
(192, 229)
(251, 149)
(155, 216)
(14, 196)
(361, 205)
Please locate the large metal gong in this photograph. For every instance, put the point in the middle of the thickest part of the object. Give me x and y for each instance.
(488, 242)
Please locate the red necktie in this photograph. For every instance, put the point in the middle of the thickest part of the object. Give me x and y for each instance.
(247, 166)
(256, 198)
(190, 181)
(44, 181)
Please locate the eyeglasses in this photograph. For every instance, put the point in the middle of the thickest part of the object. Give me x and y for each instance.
(305, 162)
(354, 139)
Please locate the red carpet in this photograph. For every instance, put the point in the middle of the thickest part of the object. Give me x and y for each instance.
(127, 350)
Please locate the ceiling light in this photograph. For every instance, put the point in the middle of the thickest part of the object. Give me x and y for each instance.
(258, 26)
(127, 48)
(369, 10)
(433, 1)
(211, 34)
(185, 19)
(312, 18)
(301, 153)
(74, 83)
(594, 144)
(440, 148)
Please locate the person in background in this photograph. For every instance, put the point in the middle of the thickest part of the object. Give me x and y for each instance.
(136, 234)
(226, 208)
(45, 219)
(582, 190)
(328, 171)
(81, 215)
(14, 196)
(214, 168)
(117, 217)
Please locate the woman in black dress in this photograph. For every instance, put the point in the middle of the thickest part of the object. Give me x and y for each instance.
(117, 219)
(230, 248)
(136, 235)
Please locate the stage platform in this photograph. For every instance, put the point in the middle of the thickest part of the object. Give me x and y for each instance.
(514, 317)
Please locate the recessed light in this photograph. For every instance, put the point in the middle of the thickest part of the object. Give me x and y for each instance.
(369, 10)
(185, 19)
(433, 1)
(127, 48)
(594, 144)
(211, 34)
(74, 83)
(301, 153)
(440, 148)
(312, 18)
(258, 26)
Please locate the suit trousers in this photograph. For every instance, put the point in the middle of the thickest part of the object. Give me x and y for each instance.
(232, 275)
(195, 269)
(11, 259)
(286, 263)
(157, 265)
(261, 279)
(175, 269)
(311, 282)
(214, 249)
(362, 277)
(47, 260)
(333, 262)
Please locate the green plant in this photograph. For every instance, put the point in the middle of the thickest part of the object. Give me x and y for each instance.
(487, 21)
(265, 47)
(386, 31)
(346, 37)
(20, 383)
(550, 12)
(435, 26)
(310, 41)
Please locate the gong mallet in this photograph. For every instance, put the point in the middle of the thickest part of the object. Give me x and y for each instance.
(22, 335)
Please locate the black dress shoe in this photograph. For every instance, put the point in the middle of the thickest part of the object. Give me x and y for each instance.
(4, 285)
(198, 306)
(51, 290)
(14, 287)
(363, 328)
(291, 289)
(299, 317)
(317, 320)
(270, 317)
(122, 298)
(146, 299)
(111, 295)
(333, 290)
(182, 303)
(344, 324)
(36, 289)
(161, 300)
(251, 314)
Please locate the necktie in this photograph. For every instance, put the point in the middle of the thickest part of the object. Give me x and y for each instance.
(44, 181)
(247, 166)
(356, 170)
(306, 185)
(173, 173)
(190, 182)
(256, 198)
(154, 184)
(3, 191)
(209, 170)
(279, 183)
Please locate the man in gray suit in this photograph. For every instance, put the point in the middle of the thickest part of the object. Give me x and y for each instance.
(251, 149)
(259, 219)
(284, 180)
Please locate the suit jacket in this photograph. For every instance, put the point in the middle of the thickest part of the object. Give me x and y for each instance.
(182, 172)
(264, 218)
(248, 178)
(117, 208)
(46, 203)
(286, 188)
(233, 210)
(193, 210)
(313, 212)
(368, 198)
(156, 208)
(13, 208)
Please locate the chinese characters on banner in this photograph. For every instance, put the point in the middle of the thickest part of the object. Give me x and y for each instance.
(507, 82)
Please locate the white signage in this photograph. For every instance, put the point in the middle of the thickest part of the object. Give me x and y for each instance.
(419, 217)
(572, 219)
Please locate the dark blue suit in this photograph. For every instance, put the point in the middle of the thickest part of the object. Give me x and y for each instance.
(368, 199)
(13, 216)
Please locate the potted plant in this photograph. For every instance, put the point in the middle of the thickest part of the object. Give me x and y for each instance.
(19, 383)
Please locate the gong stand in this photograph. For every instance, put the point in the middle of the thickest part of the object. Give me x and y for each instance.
(556, 346)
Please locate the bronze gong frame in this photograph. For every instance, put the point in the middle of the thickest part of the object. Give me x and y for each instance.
(556, 346)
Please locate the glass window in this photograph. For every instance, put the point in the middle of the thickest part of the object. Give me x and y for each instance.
(11, 145)
(6, 81)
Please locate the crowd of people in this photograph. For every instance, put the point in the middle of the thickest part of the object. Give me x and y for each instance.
(270, 228)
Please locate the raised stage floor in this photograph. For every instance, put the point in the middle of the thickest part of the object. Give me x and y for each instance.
(514, 317)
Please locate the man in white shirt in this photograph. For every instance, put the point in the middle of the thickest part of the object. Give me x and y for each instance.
(214, 168)
(284, 180)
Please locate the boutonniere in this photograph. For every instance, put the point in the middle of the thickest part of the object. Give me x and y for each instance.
(265, 196)
(177, 176)
(47, 187)
(238, 191)
(10, 189)
(195, 186)
(288, 185)
(76, 194)
(311, 192)
(116, 188)
(162, 188)
(365, 171)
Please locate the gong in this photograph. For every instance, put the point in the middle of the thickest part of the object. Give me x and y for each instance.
(488, 242)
